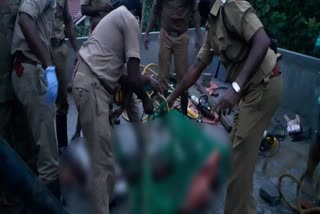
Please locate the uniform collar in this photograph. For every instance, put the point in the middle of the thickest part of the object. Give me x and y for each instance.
(215, 8)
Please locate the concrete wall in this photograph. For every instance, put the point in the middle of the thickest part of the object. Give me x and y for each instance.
(301, 76)
(301, 79)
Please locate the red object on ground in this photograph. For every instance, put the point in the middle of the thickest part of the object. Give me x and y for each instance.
(193, 108)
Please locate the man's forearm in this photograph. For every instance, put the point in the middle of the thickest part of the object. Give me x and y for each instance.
(189, 79)
(135, 80)
(71, 35)
(197, 24)
(152, 22)
(137, 85)
(90, 11)
(259, 48)
(31, 34)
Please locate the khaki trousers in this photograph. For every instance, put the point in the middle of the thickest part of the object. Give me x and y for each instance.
(30, 89)
(60, 56)
(178, 47)
(255, 113)
(92, 102)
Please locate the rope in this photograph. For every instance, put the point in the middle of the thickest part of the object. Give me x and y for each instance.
(155, 98)
(298, 207)
(147, 68)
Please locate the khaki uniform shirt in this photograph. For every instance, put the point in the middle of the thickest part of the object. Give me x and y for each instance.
(94, 20)
(174, 13)
(8, 14)
(43, 13)
(219, 41)
(115, 40)
(59, 27)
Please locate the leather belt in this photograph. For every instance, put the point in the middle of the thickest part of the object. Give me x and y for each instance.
(174, 34)
(87, 72)
(23, 59)
(56, 42)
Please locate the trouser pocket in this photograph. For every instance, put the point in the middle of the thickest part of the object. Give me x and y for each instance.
(43, 85)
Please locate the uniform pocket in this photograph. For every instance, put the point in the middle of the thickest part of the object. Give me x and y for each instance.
(81, 97)
(102, 100)
(254, 96)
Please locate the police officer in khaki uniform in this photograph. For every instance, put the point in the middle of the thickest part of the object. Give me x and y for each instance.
(13, 125)
(114, 44)
(63, 28)
(8, 12)
(174, 38)
(96, 10)
(35, 82)
(236, 35)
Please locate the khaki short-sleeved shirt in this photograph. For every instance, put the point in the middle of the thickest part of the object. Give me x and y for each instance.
(94, 20)
(115, 39)
(8, 14)
(59, 26)
(233, 50)
(43, 13)
(174, 13)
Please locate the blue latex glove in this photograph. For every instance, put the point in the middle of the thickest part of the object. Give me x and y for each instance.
(51, 77)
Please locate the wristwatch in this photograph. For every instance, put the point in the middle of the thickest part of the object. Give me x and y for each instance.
(236, 87)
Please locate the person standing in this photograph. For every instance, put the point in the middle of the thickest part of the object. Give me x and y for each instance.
(63, 28)
(114, 45)
(35, 83)
(13, 125)
(96, 10)
(237, 36)
(174, 38)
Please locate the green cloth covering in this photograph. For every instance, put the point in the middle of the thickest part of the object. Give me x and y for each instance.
(187, 150)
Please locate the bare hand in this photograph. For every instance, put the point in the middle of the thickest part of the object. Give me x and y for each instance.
(146, 41)
(229, 99)
(170, 101)
(147, 106)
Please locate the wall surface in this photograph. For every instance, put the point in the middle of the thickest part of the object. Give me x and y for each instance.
(301, 76)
